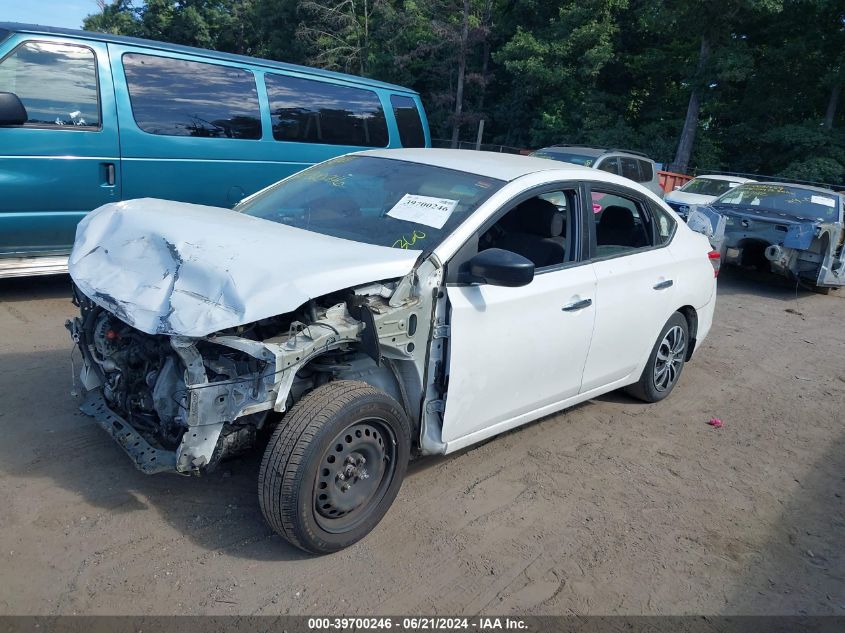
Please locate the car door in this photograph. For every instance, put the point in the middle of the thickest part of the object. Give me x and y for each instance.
(635, 293)
(64, 161)
(515, 353)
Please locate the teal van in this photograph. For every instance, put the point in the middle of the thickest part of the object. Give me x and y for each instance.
(88, 118)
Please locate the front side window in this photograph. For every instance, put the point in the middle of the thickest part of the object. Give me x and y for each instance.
(622, 224)
(57, 84)
(308, 111)
(176, 97)
(377, 201)
(610, 165)
(539, 229)
(408, 121)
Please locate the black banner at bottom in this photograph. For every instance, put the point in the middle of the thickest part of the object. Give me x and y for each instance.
(439, 624)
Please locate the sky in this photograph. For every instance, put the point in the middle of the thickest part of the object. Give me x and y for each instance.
(62, 13)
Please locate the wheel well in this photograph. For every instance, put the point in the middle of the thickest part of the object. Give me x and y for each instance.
(689, 313)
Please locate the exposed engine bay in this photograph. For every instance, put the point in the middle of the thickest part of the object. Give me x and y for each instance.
(184, 404)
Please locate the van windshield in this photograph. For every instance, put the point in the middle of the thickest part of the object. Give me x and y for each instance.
(380, 201)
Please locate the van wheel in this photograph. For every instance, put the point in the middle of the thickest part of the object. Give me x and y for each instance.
(334, 465)
(666, 362)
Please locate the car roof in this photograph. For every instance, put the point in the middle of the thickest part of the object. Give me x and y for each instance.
(37, 29)
(490, 164)
(591, 150)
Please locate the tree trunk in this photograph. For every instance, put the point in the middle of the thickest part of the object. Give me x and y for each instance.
(832, 106)
(462, 68)
(687, 140)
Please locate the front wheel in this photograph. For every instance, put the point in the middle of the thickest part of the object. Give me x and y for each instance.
(334, 466)
(665, 363)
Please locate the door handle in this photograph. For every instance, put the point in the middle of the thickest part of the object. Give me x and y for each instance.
(109, 174)
(578, 305)
(663, 284)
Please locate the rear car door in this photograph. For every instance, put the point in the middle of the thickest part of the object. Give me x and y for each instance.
(65, 160)
(515, 351)
(635, 292)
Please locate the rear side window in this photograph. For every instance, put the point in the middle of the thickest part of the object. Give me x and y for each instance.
(622, 224)
(57, 84)
(664, 225)
(646, 171)
(308, 111)
(408, 120)
(610, 165)
(176, 97)
(630, 168)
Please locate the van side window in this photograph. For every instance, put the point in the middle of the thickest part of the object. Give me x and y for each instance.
(57, 84)
(408, 120)
(175, 97)
(308, 111)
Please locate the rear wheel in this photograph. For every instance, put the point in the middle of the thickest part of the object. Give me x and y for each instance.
(334, 466)
(665, 363)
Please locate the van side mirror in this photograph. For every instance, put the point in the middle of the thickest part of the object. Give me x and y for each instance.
(499, 267)
(12, 111)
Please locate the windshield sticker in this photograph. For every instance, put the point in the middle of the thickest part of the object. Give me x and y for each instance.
(426, 210)
(828, 202)
(404, 242)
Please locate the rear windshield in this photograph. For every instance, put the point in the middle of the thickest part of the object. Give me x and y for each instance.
(708, 186)
(373, 200)
(784, 199)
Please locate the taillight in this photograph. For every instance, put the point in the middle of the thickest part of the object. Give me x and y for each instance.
(716, 260)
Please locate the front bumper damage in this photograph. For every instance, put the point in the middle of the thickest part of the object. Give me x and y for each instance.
(219, 410)
(206, 407)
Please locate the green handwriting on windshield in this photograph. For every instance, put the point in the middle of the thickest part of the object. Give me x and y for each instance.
(404, 242)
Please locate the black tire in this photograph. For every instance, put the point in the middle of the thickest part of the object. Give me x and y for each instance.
(651, 389)
(300, 487)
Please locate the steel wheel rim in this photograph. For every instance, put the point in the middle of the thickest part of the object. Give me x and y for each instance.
(669, 359)
(354, 474)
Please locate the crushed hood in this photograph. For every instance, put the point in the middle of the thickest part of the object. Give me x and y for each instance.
(183, 269)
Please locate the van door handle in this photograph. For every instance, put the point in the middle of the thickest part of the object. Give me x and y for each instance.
(109, 174)
(578, 305)
(663, 284)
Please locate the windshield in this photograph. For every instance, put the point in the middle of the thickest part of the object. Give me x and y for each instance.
(785, 199)
(577, 159)
(378, 201)
(708, 186)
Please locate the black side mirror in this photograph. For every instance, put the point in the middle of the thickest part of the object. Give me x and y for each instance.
(499, 267)
(12, 111)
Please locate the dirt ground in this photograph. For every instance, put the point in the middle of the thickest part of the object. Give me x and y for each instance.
(614, 507)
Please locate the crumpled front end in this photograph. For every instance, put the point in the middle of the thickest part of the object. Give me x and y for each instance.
(172, 403)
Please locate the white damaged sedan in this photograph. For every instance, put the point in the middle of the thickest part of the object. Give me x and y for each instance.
(375, 306)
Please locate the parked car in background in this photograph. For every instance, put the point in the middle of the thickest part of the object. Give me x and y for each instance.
(89, 118)
(373, 305)
(635, 166)
(795, 230)
(701, 190)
